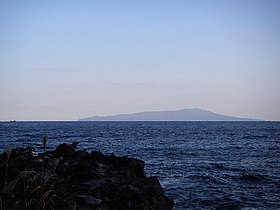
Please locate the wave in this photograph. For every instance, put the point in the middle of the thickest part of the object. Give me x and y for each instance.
(252, 177)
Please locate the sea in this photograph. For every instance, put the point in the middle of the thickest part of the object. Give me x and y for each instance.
(200, 165)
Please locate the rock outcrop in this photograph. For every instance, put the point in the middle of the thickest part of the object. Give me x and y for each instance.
(70, 179)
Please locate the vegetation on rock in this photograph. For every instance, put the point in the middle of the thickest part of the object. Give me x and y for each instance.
(73, 179)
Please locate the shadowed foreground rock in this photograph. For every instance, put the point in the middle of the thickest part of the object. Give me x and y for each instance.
(69, 179)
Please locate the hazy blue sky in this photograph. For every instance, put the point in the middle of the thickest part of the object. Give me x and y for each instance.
(64, 60)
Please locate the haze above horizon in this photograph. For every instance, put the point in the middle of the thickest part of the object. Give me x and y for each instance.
(65, 60)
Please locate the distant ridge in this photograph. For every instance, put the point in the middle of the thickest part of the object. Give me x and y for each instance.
(179, 115)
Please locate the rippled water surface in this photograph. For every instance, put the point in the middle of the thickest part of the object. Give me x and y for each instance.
(201, 165)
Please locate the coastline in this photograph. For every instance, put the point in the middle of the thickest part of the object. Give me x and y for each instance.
(68, 179)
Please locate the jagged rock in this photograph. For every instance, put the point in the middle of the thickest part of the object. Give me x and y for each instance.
(64, 150)
(70, 179)
(87, 200)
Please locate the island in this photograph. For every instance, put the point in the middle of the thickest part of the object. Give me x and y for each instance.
(193, 114)
(69, 179)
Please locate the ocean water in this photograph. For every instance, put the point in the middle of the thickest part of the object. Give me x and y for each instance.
(201, 165)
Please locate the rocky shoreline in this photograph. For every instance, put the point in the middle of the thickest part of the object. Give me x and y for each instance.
(69, 179)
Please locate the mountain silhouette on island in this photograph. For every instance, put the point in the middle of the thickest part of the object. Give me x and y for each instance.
(179, 115)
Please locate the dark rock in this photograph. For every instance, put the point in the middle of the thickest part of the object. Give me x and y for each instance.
(87, 200)
(70, 179)
(64, 150)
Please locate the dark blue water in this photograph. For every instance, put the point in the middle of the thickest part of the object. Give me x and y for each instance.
(201, 165)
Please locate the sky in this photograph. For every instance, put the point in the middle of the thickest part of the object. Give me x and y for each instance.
(65, 60)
